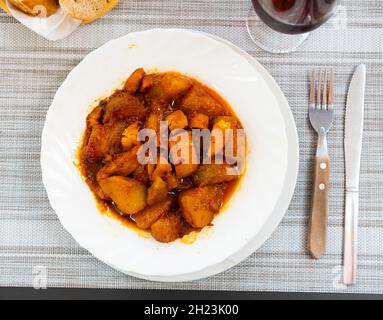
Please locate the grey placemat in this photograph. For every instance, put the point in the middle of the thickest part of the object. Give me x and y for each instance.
(33, 244)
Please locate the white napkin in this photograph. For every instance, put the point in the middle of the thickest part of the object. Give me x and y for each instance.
(54, 27)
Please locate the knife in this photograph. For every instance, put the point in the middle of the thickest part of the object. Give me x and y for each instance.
(353, 150)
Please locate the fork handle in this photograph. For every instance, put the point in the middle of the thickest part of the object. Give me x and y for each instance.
(319, 209)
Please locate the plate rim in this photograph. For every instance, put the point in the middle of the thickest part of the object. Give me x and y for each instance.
(284, 198)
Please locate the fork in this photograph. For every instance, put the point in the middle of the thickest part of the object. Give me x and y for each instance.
(321, 115)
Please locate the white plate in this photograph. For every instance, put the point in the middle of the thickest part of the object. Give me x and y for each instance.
(255, 209)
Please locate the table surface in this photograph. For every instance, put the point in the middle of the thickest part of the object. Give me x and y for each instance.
(34, 245)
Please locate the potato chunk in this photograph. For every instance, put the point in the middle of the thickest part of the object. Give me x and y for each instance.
(198, 100)
(124, 164)
(129, 136)
(170, 86)
(122, 106)
(172, 182)
(198, 121)
(98, 143)
(95, 116)
(177, 120)
(141, 174)
(134, 81)
(198, 205)
(163, 168)
(169, 227)
(183, 154)
(153, 122)
(147, 83)
(128, 194)
(166, 88)
(103, 140)
(145, 218)
(158, 191)
(221, 124)
(225, 122)
(214, 173)
(185, 170)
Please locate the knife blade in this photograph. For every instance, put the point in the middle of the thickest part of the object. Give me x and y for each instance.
(354, 127)
(353, 151)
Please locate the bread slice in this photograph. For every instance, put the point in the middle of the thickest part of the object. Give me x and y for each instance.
(87, 10)
(36, 7)
(3, 6)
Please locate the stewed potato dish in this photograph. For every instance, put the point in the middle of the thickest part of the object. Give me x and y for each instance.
(143, 159)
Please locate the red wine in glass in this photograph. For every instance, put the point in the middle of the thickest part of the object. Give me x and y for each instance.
(294, 16)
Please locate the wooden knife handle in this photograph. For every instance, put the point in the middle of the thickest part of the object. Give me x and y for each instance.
(319, 209)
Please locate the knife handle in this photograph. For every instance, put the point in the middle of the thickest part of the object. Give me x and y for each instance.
(350, 238)
(319, 209)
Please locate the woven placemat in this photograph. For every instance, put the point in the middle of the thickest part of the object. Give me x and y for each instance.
(35, 250)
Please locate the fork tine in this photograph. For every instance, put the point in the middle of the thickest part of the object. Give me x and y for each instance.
(324, 95)
(319, 89)
(331, 90)
(312, 90)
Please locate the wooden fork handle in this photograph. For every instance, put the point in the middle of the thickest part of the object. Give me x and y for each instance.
(319, 209)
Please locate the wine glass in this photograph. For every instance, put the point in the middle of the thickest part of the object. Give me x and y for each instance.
(283, 25)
